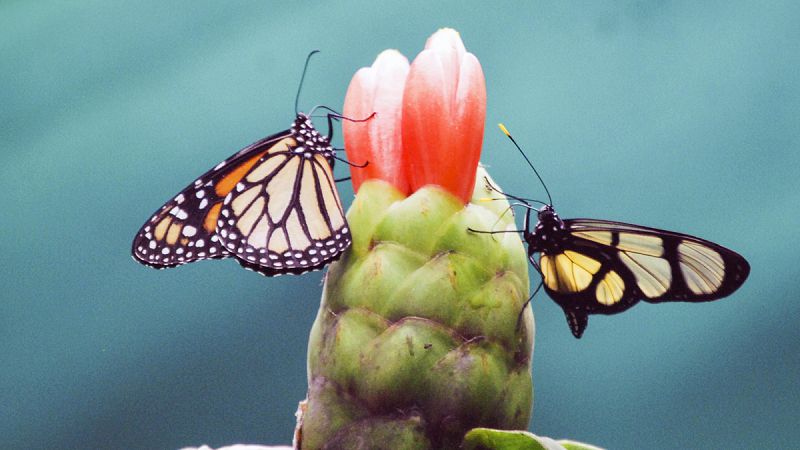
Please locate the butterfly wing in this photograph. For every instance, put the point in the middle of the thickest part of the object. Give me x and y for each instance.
(285, 216)
(606, 267)
(184, 229)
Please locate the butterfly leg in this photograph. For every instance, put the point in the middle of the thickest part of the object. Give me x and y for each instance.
(339, 180)
(494, 232)
(335, 115)
(359, 166)
(527, 302)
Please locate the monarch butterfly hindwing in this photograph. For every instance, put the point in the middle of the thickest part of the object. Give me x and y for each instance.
(273, 206)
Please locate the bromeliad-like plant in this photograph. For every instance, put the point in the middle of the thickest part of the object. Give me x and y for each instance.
(419, 342)
(417, 339)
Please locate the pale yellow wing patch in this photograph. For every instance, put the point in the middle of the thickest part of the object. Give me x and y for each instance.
(610, 289)
(331, 198)
(310, 203)
(281, 188)
(568, 272)
(702, 267)
(641, 243)
(652, 273)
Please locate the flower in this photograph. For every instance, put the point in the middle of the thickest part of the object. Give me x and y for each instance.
(377, 89)
(444, 109)
(429, 124)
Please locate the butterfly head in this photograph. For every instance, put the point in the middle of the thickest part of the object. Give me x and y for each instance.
(547, 213)
(549, 233)
(309, 140)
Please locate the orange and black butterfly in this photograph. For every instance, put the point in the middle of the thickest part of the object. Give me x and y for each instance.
(273, 206)
(593, 266)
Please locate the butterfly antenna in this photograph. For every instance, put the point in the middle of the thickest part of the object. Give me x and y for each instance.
(302, 77)
(505, 131)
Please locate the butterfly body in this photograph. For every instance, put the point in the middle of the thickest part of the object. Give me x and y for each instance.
(601, 267)
(272, 206)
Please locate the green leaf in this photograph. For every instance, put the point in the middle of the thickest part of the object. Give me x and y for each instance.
(489, 439)
(574, 445)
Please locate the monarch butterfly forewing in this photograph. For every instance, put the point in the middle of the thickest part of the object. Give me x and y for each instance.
(273, 206)
(600, 267)
(183, 230)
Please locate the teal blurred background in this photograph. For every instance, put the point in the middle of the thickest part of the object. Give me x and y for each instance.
(678, 115)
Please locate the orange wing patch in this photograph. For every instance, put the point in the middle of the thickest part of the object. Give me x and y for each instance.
(226, 184)
(210, 222)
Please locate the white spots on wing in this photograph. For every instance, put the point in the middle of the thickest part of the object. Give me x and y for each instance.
(189, 231)
(179, 213)
(200, 194)
(203, 203)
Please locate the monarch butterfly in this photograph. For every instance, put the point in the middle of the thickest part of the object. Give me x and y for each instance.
(273, 206)
(593, 266)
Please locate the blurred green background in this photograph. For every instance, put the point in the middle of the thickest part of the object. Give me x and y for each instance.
(678, 115)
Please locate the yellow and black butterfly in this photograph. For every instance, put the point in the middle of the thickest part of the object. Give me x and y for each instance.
(273, 206)
(593, 266)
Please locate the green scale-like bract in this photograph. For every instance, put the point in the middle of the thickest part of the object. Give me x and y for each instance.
(417, 338)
